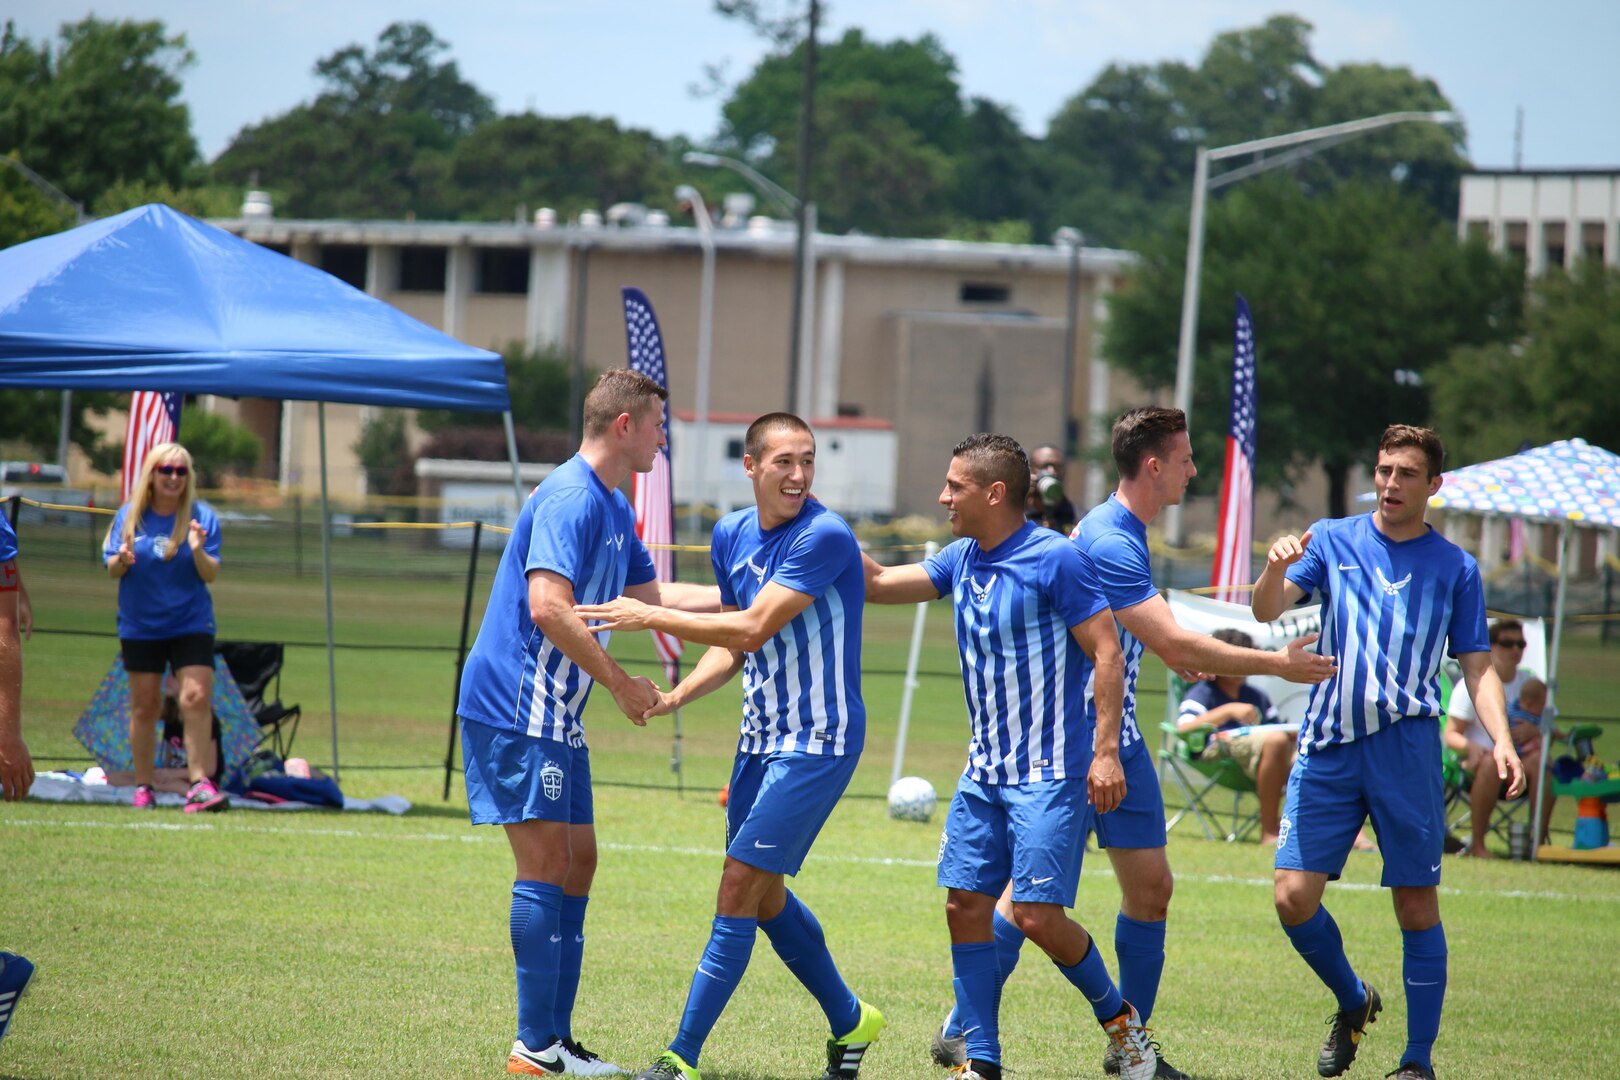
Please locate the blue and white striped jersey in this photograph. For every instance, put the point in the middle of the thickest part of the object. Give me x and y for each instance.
(574, 526)
(1115, 542)
(802, 689)
(1388, 610)
(1023, 674)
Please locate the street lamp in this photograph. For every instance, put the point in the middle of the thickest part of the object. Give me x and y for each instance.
(804, 280)
(686, 193)
(1319, 138)
(1073, 238)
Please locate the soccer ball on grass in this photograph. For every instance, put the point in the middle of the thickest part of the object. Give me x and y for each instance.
(911, 798)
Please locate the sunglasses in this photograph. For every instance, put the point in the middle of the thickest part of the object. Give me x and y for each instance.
(173, 470)
(1511, 643)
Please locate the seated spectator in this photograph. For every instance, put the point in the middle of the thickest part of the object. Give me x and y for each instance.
(1470, 741)
(1229, 702)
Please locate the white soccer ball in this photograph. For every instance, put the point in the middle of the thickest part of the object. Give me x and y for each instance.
(911, 798)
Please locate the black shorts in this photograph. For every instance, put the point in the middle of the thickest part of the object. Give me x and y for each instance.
(187, 650)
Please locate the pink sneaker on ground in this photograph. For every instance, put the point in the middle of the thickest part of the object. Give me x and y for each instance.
(144, 798)
(205, 796)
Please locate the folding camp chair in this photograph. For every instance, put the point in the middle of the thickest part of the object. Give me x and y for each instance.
(255, 665)
(1460, 812)
(1198, 778)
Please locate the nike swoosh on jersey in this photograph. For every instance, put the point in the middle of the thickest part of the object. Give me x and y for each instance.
(1342, 566)
(1039, 880)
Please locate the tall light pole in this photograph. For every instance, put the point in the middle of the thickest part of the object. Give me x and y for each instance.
(1304, 144)
(689, 195)
(804, 267)
(1071, 237)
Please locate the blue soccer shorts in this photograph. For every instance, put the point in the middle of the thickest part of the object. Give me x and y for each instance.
(1138, 821)
(1392, 776)
(1034, 834)
(778, 803)
(514, 777)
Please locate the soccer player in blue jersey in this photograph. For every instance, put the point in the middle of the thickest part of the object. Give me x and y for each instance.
(1030, 623)
(790, 577)
(16, 766)
(524, 689)
(1153, 454)
(1395, 596)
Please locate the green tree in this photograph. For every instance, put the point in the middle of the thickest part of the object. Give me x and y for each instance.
(206, 201)
(218, 445)
(385, 454)
(1353, 291)
(890, 126)
(374, 142)
(100, 107)
(1558, 381)
(568, 163)
(25, 212)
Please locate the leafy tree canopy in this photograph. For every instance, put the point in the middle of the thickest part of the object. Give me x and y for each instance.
(1352, 290)
(1557, 381)
(99, 105)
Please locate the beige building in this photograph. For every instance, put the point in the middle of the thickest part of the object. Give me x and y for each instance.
(1549, 217)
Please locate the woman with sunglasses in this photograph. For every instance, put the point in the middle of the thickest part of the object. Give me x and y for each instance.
(163, 550)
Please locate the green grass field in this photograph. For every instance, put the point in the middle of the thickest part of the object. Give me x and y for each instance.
(305, 945)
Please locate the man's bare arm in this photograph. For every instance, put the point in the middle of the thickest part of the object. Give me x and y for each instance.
(1152, 623)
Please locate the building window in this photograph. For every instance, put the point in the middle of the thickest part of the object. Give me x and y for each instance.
(503, 271)
(1479, 230)
(1552, 243)
(286, 249)
(1592, 240)
(980, 292)
(1518, 237)
(421, 269)
(734, 449)
(346, 262)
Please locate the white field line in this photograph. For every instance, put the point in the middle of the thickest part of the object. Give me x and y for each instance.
(710, 853)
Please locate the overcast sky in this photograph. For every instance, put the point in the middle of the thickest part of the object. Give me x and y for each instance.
(636, 60)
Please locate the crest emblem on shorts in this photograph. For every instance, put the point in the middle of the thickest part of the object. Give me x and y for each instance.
(981, 593)
(1392, 588)
(551, 781)
(944, 838)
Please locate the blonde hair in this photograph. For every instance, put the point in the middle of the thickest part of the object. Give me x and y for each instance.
(140, 498)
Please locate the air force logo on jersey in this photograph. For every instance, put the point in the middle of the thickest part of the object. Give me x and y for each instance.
(758, 571)
(551, 782)
(981, 593)
(1392, 588)
(616, 542)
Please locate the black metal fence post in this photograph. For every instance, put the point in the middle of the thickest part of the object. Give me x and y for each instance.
(461, 654)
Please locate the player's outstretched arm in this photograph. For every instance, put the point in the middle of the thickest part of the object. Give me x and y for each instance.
(909, 584)
(1274, 593)
(1105, 783)
(737, 628)
(551, 606)
(1152, 623)
(714, 669)
(1490, 705)
(680, 595)
(16, 766)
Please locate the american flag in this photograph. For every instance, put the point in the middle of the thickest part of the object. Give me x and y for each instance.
(653, 492)
(154, 418)
(1234, 538)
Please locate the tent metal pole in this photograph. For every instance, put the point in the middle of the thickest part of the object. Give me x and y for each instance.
(326, 574)
(511, 452)
(1565, 534)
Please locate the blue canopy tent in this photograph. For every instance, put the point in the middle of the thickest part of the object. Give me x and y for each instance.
(154, 300)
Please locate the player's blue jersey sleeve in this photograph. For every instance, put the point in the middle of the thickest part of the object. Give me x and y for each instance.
(1071, 580)
(817, 556)
(1310, 573)
(641, 565)
(944, 565)
(8, 540)
(1121, 567)
(566, 529)
(1468, 632)
(720, 561)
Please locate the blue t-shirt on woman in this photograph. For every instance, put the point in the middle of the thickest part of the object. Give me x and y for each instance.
(160, 598)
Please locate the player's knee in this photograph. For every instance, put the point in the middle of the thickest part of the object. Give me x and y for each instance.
(1035, 921)
(193, 697)
(1294, 902)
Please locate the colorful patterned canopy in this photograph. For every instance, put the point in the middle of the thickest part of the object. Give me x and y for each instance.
(1568, 480)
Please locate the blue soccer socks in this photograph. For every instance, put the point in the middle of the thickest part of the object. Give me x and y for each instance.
(571, 925)
(1423, 969)
(1009, 941)
(798, 939)
(977, 981)
(536, 948)
(731, 942)
(1317, 939)
(1090, 977)
(1139, 947)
